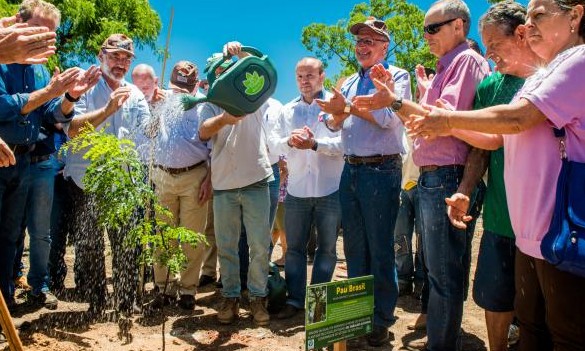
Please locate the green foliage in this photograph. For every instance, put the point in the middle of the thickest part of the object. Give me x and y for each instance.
(116, 178)
(85, 24)
(404, 21)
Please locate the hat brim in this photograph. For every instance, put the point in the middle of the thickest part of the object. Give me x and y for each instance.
(184, 88)
(110, 50)
(355, 29)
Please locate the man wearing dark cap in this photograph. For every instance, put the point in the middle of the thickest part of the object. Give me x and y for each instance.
(182, 183)
(370, 183)
(121, 109)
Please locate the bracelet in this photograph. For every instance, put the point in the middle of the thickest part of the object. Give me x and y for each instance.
(70, 98)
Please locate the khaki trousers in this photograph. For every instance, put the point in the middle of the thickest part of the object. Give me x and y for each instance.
(179, 193)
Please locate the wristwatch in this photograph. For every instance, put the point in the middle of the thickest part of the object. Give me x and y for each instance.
(347, 108)
(315, 146)
(70, 98)
(396, 105)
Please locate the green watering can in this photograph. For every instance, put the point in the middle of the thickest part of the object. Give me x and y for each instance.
(242, 87)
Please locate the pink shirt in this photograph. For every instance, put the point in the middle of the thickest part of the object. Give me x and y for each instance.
(458, 74)
(532, 159)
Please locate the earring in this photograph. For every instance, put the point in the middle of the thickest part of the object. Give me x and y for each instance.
(572, 29)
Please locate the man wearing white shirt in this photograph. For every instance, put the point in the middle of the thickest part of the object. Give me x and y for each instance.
(315, 163)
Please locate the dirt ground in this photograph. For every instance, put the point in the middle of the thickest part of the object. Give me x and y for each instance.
(69, 329)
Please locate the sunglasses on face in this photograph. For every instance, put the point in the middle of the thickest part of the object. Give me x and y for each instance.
(367, 41)
(434, 28)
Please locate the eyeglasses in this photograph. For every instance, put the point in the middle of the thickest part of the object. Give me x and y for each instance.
(368, 41)
(434, 28)
(120, 58)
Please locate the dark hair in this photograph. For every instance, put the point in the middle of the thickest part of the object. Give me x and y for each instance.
(474, 45)
(506, 15)
(567, 5)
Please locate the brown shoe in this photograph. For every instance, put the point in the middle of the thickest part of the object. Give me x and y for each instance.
(419, 324)
(22, 283)
(228, 310)
(259, 311)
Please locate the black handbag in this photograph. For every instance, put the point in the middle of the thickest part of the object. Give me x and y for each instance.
(564, 243)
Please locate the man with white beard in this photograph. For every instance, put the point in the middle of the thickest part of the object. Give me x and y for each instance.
(120, 108)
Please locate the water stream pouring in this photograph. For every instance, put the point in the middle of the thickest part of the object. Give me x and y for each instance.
(242, 87)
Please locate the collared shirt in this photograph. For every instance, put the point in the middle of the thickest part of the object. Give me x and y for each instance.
(126, 123)
(363, 138)
(458, 74)
(177, 143)
(270, 118)
(239, 156)
(16, 83)
(310, 173)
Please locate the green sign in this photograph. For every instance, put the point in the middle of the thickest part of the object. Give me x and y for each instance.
(338, 311)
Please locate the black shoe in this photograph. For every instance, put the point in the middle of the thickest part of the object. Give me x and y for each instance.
(287, 312)
(379, 336)
(206, 280)
(162, 300)
(44, 298)
(187, 302)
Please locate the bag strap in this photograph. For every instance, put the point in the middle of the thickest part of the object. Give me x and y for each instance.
(561, 135)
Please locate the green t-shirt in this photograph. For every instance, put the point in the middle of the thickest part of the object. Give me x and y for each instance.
(497, 89)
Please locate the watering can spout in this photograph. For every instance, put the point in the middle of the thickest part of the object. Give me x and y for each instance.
(190, 101)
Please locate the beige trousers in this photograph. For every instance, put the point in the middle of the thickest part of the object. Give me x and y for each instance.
(179, 193)
(210, 257)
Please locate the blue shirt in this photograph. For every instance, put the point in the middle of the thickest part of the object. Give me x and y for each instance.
(127, 122)
(16, 83)
(177, 141)
(363, 138)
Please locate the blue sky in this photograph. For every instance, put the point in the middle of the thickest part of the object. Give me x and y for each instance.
(274, 27)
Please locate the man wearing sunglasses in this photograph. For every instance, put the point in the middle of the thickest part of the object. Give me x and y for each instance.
(369, 189)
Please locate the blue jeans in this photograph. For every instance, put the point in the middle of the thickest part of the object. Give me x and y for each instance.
(14, 183)
(445, 252)
(38, 221)
(61, 226)
(252, 203)
(244, 250)
(408, 222)
(300, 213)
(369, 196)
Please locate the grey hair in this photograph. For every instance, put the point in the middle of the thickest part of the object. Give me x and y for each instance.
(143, 67)
(507, 16)
(456, 9)
(567, 5)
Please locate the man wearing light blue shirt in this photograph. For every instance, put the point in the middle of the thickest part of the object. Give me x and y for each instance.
(370, 183)
(181, 180)
(120, 109)
(315, 162)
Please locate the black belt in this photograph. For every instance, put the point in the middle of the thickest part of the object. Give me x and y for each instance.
(37, 159)
(179, 170)
(20, 149)
(369, 160)
(432, 168)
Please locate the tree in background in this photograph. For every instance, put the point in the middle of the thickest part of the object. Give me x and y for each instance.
(85, 24)
(405, 25)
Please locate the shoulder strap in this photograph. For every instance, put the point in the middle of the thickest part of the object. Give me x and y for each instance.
(560, 134)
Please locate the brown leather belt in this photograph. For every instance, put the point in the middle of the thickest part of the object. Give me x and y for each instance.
(175, 171)
(20, 149)
(37, 159)
(432, 168)
(369, 160)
